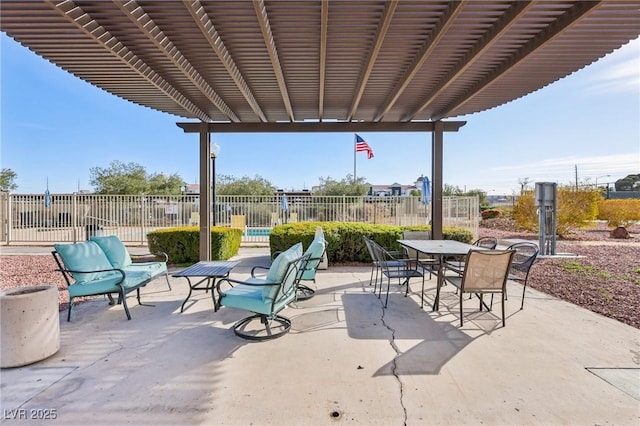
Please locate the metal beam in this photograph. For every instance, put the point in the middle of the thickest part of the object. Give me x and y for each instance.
(199, 15)
(516, 11)
(324, 33)
(265, 26)
(148, 27)
(545, 37)
(455, 8)
(387, 16)
(85, 23)
(328, 127)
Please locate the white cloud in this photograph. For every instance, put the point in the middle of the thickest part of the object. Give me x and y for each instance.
(563, 170)
(619, 71)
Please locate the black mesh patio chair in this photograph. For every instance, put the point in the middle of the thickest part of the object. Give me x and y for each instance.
(375, 265)
(457, 265)
(426, 262)
(392, 268)
(523, 259)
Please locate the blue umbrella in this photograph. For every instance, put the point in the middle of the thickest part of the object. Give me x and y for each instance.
(425, 192)
(47, 198)
(284, 205)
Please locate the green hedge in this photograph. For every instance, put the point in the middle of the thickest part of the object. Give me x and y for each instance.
(345, 241)
(182, 244)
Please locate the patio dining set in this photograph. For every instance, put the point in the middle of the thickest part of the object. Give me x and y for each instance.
(475, 269)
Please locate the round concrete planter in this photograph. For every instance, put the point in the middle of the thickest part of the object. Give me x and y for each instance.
(30, 327)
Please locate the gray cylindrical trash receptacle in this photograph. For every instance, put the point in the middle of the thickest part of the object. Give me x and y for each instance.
(30, 327)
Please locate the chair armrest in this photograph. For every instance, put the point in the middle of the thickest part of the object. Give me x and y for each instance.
(144, 257)
(255, 268)
(71, 271)
(230, 282)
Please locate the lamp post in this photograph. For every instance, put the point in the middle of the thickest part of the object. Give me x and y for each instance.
(181, 205)
(215, 150)
(600, 177)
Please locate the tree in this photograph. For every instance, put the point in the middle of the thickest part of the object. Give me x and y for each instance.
(628, 183)
(524, 184)
(132, 179)
(482, 196)
(452, 191)
(162, 184)
(346, 186)
(455, 191)
(230, 185)
(7, 180)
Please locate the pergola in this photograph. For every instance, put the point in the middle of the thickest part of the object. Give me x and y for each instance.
(320, 65)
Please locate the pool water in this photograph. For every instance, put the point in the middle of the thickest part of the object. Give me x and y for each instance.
(257, 232)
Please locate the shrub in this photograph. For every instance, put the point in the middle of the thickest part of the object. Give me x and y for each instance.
(182, 244)
(345, 241)
(619, 212)
(525, 212)
(576, 208)
(490, 214)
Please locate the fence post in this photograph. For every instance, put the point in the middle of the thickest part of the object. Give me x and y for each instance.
(9, 225)
(74, 216)
(144, 217)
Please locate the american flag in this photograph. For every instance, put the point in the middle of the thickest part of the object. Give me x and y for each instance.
(362, 146)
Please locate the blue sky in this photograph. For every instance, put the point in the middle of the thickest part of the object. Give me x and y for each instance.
(55, 126)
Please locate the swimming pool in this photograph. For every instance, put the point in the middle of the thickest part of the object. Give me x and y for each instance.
(257, 232)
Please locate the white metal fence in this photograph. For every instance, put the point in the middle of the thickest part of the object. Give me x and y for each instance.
(73, 217)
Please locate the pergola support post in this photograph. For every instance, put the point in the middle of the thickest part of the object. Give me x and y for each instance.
(205, 199)
(436, 170)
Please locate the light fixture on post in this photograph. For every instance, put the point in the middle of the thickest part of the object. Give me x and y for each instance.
(597, 177)
(215, 150)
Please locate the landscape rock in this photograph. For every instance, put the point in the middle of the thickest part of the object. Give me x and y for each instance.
(620, 233)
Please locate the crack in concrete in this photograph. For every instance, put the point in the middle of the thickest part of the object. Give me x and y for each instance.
(394, 365)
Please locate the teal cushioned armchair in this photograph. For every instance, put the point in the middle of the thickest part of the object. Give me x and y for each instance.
(264, 297)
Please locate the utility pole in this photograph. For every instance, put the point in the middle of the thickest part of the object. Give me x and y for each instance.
(576, 168)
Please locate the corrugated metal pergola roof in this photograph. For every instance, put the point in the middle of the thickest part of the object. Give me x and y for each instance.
(272, 61)
(346, 65)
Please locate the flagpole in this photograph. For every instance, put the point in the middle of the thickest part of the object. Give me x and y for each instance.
(354, 158)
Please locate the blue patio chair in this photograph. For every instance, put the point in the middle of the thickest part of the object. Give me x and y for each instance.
(264, 297)
(315, 251)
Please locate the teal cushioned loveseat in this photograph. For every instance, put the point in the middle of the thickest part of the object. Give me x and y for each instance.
(103, 266)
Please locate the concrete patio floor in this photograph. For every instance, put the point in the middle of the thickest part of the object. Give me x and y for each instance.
(346, 361)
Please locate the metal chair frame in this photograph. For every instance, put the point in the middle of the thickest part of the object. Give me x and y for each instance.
(471, 279)
(392, 268)
(523, 260)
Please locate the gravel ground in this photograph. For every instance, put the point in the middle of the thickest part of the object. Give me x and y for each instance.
(606, 279)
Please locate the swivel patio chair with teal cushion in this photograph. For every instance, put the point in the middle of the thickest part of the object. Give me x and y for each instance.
(265, 297)
(315, 251)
